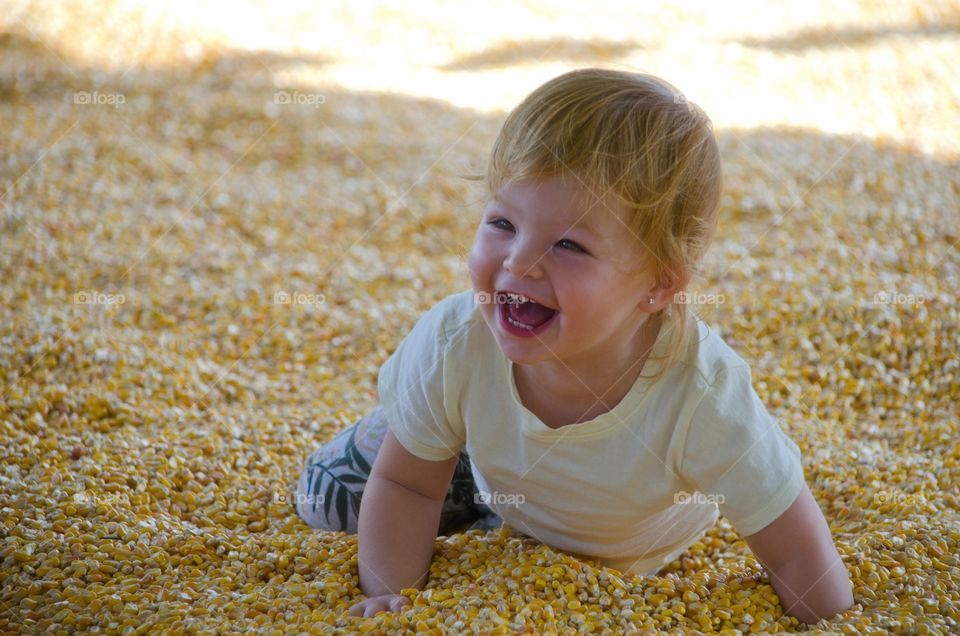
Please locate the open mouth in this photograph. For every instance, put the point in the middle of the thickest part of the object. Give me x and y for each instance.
(526, 314)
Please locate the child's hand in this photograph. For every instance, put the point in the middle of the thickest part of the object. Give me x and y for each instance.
(372, 605)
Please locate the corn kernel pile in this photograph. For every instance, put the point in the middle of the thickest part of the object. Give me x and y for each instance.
(206, 255)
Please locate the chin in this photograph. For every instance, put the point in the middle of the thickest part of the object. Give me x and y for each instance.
(520, 355)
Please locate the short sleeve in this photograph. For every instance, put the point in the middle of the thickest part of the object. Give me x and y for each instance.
(736, 452)
(415, 390)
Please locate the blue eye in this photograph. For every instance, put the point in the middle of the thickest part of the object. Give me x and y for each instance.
(575, 247)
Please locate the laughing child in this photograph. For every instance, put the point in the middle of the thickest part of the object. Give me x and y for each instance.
(573, 392)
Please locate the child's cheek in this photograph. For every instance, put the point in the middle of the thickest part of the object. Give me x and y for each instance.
(478, 264)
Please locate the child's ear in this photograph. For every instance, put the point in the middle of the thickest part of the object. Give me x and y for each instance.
(668, 285)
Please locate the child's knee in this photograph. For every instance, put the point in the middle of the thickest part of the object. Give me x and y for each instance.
(315, 484)
(307, 496)
(329, 484)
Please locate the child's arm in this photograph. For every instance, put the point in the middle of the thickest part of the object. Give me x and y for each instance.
(399, 518)
(805, 569)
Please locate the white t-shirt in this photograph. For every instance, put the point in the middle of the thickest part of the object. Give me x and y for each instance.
(632, 488)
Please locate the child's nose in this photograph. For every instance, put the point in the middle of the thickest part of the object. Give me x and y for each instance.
(524, 260)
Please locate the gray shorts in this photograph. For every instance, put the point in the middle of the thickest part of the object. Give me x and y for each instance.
(331, 484)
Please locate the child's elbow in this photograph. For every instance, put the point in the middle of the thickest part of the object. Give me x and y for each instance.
(813, 590)
(805, 569)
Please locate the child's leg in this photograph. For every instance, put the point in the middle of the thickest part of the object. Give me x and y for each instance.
(331, 484)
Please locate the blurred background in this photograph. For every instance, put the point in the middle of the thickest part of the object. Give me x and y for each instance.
(220, 218)
(875, 68)
(190, 155)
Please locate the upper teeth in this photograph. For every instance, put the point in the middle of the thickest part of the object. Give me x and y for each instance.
(510, 298)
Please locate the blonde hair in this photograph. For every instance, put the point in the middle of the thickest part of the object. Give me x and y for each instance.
(633, 135)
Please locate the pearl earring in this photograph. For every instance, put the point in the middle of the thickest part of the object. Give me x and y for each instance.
(650, 300)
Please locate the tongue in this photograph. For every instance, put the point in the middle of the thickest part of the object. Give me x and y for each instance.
(531, 313)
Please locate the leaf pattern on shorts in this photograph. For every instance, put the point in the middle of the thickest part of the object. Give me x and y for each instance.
(347, 474)
(357, 472)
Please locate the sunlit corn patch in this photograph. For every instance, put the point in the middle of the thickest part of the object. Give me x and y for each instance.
(205, 258)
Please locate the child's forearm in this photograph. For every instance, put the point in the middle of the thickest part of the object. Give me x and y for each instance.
(812, 589)
(397, 528)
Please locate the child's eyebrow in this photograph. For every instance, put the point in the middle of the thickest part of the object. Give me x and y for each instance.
(588, 228)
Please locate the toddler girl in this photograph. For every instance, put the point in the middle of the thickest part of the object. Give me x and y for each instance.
(572, 392)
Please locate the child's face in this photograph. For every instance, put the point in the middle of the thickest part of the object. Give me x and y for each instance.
(527, 243)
